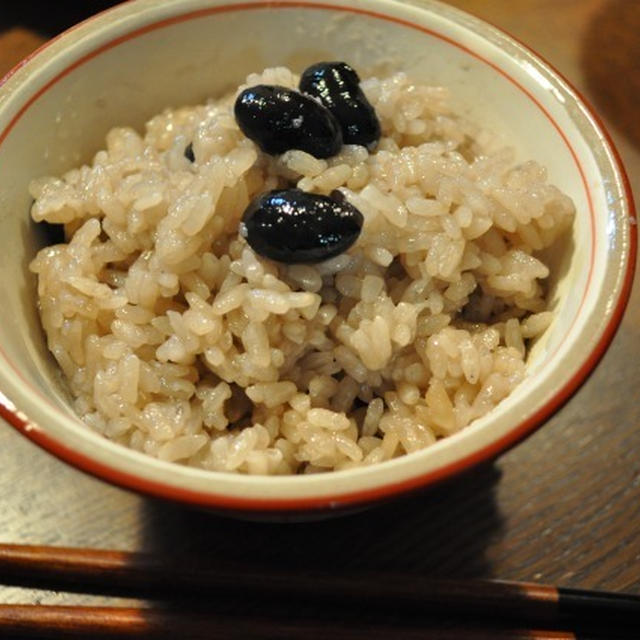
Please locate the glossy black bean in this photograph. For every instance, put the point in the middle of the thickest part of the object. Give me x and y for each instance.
(293, 226)
(278, 119)
(188, 153)
(337, 86)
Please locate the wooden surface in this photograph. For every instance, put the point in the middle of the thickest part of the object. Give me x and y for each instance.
(563, 507)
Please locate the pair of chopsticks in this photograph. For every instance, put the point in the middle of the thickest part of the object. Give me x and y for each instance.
(191, 599)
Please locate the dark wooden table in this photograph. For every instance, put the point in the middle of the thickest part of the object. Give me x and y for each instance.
(563, 507)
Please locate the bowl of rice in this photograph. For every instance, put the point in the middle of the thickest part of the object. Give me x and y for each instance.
(150, 341)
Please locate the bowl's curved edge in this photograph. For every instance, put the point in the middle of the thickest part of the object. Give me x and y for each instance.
(284, 508)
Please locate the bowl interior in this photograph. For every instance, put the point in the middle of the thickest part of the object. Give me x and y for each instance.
(132, 62)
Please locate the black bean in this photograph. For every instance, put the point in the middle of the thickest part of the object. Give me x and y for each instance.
(50, 233)
(188, 153)
(293, 226)
(337, 86)
(278, 119)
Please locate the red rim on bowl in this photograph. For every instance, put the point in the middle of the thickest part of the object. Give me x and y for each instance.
(304, 504)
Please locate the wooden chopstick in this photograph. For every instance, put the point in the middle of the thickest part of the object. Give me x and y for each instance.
(144, 575)
(62, 622)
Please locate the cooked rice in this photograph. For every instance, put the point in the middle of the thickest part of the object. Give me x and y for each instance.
(177, 340)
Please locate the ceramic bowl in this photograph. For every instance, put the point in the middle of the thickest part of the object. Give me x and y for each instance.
(130, 62)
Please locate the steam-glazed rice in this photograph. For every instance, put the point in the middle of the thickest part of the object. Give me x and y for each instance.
(177, 340)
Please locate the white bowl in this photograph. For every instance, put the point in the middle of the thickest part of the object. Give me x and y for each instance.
(128, 63)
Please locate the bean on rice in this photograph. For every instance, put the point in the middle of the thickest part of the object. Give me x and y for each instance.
(177, 340)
